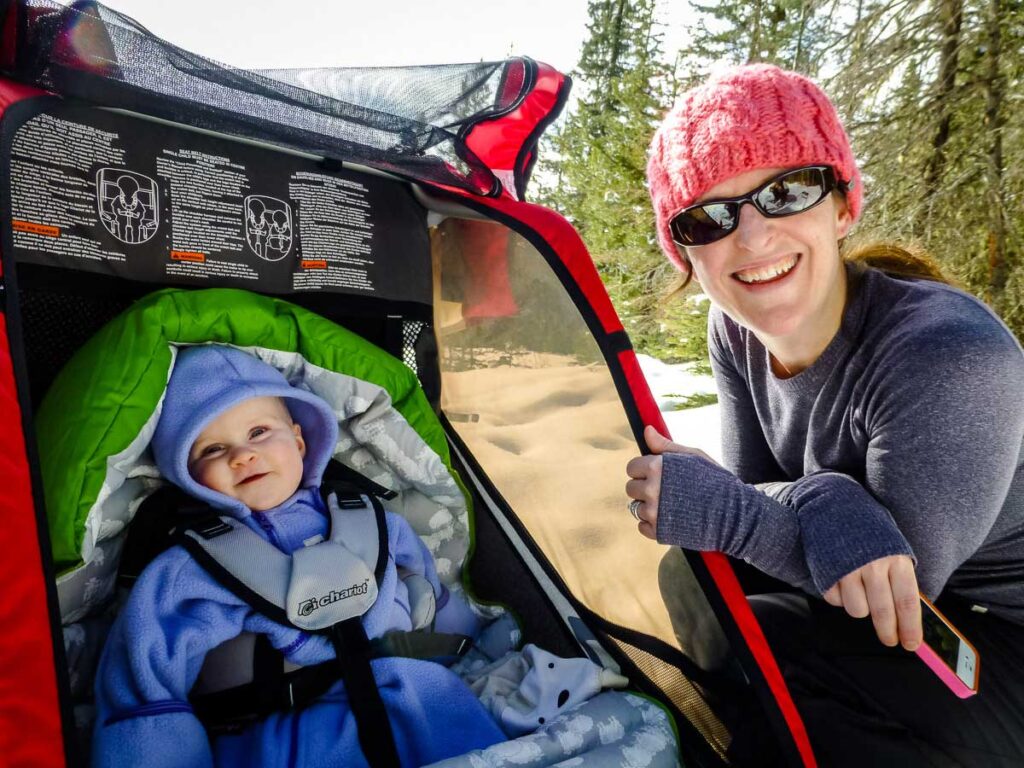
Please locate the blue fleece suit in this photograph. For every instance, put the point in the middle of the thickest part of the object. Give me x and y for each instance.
(177, 613)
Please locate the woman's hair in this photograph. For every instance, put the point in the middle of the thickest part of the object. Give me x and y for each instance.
(897, 260)
(678, 284)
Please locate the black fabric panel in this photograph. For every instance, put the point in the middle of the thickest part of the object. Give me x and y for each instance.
(58, 319)
(428, 367)
(61, 309)
(110, 193)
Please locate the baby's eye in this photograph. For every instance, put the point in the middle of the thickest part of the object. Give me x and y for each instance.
(257, 431)
(211, 450)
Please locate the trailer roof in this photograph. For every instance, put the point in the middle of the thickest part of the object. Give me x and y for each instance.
(414, 122)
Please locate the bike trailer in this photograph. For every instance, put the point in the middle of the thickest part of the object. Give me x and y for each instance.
(391, 202)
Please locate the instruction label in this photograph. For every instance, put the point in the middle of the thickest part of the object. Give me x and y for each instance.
(107, 192)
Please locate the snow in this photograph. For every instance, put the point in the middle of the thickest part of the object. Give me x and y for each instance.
(694, 427)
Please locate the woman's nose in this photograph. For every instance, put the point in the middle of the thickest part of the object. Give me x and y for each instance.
(754, 229)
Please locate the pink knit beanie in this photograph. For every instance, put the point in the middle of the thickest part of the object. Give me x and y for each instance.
(745, 118)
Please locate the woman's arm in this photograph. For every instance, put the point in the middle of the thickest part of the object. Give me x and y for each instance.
(826, 531)
(944, 441)
(944, 423)
(944, 426)
(710, 510)
(689, 501)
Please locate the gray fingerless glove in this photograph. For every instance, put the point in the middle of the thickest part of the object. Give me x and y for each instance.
(843, 527)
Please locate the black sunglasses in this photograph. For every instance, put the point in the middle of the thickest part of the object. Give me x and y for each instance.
(788, 193)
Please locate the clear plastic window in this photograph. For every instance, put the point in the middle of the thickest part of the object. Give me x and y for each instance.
(527, 389)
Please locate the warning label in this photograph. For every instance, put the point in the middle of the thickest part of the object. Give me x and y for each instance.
(107, 192)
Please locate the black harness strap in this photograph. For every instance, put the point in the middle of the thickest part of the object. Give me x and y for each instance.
(394, 342)
(420, 645)
(343, 479)
(375, 735)
(274, 690)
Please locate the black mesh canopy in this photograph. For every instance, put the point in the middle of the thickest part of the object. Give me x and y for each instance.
(410, 121)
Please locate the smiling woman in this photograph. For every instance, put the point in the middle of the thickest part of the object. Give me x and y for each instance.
(872, 432)
(779, 273)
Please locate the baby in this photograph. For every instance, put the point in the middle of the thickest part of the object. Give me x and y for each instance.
(234, 434)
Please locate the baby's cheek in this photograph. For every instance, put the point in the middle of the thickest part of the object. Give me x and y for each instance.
(204, 474)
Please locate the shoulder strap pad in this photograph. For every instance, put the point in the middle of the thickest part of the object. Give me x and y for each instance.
(313, 588)
(359, 524)
(243, 562)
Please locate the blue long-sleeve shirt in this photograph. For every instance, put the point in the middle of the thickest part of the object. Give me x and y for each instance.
(177, 613)
(906, 436)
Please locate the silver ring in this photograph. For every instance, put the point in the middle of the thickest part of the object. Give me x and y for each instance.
(634, 509)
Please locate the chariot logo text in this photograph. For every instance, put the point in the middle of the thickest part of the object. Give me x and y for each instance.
(306, 607)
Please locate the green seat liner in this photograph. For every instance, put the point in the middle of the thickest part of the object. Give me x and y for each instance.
(94, 411)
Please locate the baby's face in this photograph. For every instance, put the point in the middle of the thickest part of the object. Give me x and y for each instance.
(252, 452)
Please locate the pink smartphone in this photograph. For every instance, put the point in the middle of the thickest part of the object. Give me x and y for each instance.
(947, 652)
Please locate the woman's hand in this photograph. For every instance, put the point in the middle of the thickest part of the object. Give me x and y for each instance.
(886, 589)
(645, 471)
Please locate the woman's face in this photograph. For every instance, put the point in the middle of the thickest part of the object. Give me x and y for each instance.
(778, 277)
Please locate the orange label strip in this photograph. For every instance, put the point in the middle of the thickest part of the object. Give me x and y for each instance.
(35, 229)
(199, 258)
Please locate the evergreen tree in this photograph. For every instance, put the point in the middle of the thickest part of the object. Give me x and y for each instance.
(937, 141)
(597, 177)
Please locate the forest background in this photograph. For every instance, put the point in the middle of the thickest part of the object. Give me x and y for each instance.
(930, 93)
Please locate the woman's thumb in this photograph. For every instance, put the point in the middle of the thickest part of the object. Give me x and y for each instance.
(655, 440)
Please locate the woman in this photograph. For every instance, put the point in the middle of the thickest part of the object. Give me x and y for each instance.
(879, 415)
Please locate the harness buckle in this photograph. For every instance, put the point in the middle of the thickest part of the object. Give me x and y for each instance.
(211, 529)
(350, 501)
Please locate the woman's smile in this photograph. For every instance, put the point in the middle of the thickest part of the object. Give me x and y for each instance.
(775, 271)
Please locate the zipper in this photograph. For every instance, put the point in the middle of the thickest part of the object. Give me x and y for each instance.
(268, 526)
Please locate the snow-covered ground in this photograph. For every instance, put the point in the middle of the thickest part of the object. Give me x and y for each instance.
(695, 427)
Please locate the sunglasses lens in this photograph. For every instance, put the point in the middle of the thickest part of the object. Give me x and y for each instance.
(796, 191)
(704, 224)
(789, 193)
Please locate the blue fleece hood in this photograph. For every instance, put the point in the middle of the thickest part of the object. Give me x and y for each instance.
(208, 380)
